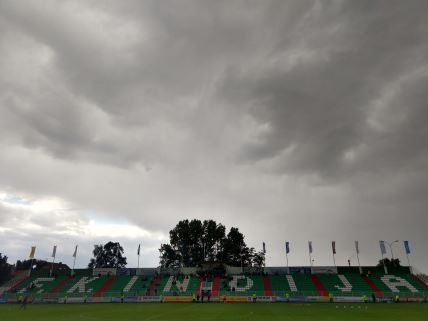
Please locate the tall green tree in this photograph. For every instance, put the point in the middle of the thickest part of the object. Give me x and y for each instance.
(194, 242)
(5, 268)
(108, 255)
(390, 263)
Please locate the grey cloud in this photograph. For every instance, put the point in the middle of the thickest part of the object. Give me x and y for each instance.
(317, 107)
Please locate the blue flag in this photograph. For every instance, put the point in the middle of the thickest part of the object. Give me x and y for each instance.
(287, 247)
(406, 247)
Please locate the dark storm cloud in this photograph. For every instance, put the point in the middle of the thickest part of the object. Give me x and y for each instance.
(304, 118)
(321, 108)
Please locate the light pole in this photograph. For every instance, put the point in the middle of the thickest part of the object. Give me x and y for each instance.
(390, 247)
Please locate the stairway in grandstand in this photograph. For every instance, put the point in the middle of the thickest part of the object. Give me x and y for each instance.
(104, 286)
(319, 286)
(267, 286)
(215, 286)
(56, 288)
(421, 280)
(154, 285)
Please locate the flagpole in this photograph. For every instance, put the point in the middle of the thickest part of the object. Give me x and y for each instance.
(408, 261)
(333, 249)
(286, 255)
(384, 266)
(138, 264)
(32, 253)
(358, 256)
(74, 261)
(53, 260)
(407, 250)
(52, 267)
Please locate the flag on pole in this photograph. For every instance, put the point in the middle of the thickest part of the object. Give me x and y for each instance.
(287, 247)
(138, 252)
(357, 247)
(54, 251)
(406, 247)
(382, 247)
(264, 248)
(33, 251)
(75, 252)
(333, 246)
(310, 247)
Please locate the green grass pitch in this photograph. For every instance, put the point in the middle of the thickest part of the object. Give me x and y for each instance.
(213, 311)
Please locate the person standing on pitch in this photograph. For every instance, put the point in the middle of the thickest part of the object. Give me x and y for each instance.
(24, 302)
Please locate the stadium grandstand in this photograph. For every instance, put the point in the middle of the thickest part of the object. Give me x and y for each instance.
(234, 284)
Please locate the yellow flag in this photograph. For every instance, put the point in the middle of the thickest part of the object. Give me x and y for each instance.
(33, 251)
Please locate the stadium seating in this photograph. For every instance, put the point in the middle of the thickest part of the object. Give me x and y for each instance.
(83, 285)
(242, 285)
(37, 285)
(182, 285)
(292, 284)
(13, 283)
(345, 285)
(135, 285)
(304, 284)
(403, 284)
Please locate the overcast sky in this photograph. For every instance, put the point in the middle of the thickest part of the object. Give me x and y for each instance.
(292, 120)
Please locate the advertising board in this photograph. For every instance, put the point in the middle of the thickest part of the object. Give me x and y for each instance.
(177, 298)
(348, 299)
(149, 298)
(232, 298)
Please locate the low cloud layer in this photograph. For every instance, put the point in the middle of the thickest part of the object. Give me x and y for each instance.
(298, 120)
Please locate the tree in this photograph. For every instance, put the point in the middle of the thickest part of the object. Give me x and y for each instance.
(259, 259)
(235, 252)
(390, 263)
(194, 242)
(5, 268)
(28, 264)
(108, 255)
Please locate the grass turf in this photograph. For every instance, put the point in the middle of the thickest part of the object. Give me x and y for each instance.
(220, 312)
